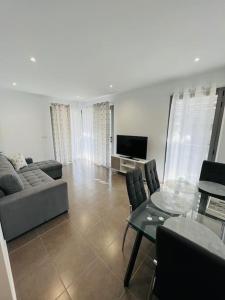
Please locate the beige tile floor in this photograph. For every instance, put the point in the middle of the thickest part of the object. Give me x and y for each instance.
(78, 255)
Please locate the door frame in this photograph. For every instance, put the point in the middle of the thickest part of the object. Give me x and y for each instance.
(218, 118)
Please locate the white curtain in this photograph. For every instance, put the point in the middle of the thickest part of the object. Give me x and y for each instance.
(77, 134)
(92, 141)
(101, 119)
(87, 146)
(61, 129)
(189, 134)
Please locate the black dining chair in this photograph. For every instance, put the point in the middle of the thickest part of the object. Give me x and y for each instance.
(136, 193)
(151, 177)
(185, 270)
(214, 172)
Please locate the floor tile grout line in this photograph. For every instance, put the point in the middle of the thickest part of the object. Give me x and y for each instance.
(54, 227)
(125, 291)
(25, 244)
(56, 269)
(62, 294)
(36, 237)
(85, 271)
(51, 261)
(110, 201)
(140, 266)
(102, 259)
(99, 256)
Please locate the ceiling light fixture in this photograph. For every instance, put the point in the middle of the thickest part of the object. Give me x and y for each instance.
(33, 59)
(14, 84)
(197, 59)
(110, 86)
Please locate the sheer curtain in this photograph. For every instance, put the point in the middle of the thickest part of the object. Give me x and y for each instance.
(77, 130)
(92, 142)
(101, 119)
(87, 146)
(189, 134)
(61, 130)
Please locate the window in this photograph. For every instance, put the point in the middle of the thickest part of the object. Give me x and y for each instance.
(194, 123)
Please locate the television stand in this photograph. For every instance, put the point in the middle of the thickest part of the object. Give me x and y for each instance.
(137, 159)
(124, 164)
(128, 157)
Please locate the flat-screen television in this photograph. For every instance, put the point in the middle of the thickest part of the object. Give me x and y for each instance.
(132, 146)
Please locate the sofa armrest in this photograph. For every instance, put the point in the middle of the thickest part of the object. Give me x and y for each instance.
(22, 211)
(29, 160)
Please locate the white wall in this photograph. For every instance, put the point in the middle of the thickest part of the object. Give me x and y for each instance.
(25, 124)
(144, 111)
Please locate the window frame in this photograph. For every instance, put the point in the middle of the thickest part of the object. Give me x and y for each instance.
(217, 123)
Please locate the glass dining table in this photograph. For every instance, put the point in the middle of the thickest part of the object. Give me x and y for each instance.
(151, 214)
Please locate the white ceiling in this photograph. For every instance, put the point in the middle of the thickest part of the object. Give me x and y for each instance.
(83, 46)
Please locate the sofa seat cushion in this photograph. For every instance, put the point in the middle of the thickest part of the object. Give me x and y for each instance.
(34, 178)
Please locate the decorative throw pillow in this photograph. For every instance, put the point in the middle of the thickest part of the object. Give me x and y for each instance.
(11, 183)
(18, 161)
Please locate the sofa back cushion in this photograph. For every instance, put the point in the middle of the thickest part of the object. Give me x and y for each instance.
(2, 194)
(10, 182)
(5, 164)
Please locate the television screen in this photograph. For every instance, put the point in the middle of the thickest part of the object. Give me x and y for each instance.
(132, 146)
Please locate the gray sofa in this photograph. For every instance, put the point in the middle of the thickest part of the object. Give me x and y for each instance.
(29, 197)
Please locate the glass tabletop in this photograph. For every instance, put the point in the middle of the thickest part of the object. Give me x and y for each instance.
(183, 186)
(174, 201)
(147, 217)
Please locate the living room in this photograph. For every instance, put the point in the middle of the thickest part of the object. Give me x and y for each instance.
(92, 92)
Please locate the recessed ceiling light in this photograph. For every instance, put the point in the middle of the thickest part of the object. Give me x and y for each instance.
(33, 59)
(197, 59)
(14, 84)
(110, 86)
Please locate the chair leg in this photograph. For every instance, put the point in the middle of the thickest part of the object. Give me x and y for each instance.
(124, 236)
(222, 231)
(151, 288)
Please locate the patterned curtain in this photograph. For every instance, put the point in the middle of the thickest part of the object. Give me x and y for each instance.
(101, 133)
(61, 130)
(91, 133)
(87, 133)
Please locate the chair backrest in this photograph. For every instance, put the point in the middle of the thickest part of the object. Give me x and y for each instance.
(185, 270)
(135, 188)
(213, 171)
(152, 176)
